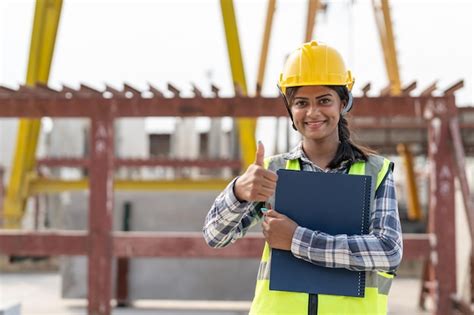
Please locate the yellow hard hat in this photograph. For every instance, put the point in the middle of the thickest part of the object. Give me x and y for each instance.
(315, 64)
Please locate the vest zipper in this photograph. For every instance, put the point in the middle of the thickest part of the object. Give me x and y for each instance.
(313, 304)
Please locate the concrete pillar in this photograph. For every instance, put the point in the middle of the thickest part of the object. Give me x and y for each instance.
(185, 145)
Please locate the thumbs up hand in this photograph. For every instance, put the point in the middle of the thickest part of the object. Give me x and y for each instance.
(257, 183)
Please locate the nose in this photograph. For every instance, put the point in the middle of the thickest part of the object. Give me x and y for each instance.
(313, 108)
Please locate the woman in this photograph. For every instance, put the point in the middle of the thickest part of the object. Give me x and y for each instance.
(316, 88)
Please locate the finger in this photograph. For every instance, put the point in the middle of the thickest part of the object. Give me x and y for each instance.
(265, 220)
(267, 185)
(269, 175)
(266, 191)
(260, 154)
(263, 197)
(266, 179)
(272, 213)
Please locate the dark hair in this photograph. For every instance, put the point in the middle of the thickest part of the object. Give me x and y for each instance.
(347, 150)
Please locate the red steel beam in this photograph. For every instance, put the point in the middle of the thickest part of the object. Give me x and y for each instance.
(430, 89)
(16, 242)
(203, 163)
(84, 162)
(162, 244)
(409, 88)
(417, 246)
(460, 162)
(178, 244)
(122, 283)
(442, 203)
(100, 214)
(123, 263)
(125, 244)
(191, 244)
(453, 88)
(2, 194)
(34, 106)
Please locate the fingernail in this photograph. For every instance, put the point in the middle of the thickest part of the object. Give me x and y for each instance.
(264, 209)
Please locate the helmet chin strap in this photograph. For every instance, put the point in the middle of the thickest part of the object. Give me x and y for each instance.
(287, 107)
(348, 107)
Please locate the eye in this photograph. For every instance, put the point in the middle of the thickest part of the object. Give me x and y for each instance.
(300, 103)
(325, 101)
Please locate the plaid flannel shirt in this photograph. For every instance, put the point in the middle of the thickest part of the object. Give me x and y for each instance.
(381, 250)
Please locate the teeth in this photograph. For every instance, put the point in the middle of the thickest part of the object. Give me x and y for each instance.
(315, 124)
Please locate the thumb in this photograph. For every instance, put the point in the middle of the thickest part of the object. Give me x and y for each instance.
(260, 154)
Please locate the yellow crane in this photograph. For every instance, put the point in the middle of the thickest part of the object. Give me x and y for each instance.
(383, 21)
(43, 38)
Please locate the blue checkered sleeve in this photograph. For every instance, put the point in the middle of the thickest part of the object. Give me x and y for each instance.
(229, 219)
(380, 250)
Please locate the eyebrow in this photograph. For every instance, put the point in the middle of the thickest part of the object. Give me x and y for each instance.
(318, 97)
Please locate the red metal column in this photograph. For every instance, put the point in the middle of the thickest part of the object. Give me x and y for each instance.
(123, 263)
(2, 192)
(442, 201)
(100, 214)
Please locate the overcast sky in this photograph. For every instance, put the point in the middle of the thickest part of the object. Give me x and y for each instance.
(181, 42)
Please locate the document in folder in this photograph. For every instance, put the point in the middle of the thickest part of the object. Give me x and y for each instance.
(326, 202)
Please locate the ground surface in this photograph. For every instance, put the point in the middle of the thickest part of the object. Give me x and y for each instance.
(39, 294)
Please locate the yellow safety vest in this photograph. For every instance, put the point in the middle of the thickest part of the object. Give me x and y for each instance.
(270, 302)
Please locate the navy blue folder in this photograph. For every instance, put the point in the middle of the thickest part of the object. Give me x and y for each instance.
(330, 203)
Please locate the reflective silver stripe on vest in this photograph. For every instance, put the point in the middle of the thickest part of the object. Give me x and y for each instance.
(372, 167)
(264, 271)
(374, 280)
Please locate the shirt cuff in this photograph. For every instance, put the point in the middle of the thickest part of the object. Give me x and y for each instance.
(301, 242)
(231, 201)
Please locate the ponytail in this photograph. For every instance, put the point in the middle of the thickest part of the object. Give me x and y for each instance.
(347, 149)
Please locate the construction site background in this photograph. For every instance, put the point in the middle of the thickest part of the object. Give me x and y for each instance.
(181, 112)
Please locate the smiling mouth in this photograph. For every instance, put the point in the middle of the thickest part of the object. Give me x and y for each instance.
(314, 124)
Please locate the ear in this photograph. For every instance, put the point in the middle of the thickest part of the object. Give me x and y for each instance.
(348, 105)
(343, 105)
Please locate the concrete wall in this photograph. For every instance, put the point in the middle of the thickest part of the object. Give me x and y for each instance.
(214, 279)
(7, 143)
(130, 138)
(463, 239)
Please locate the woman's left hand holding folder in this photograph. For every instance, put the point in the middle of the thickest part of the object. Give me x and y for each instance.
(278, 229)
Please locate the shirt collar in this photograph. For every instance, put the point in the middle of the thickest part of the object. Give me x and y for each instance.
(298, 153)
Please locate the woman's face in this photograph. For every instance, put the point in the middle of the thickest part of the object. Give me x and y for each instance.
(316, 110)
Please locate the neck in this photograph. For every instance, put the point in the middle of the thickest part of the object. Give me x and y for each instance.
(321, 152)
